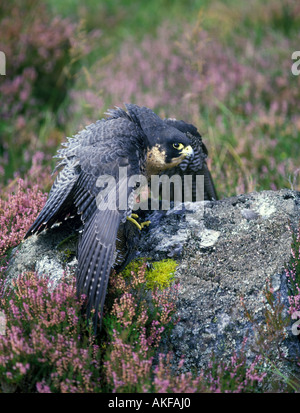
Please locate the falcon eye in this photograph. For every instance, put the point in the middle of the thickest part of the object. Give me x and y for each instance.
(178, 146)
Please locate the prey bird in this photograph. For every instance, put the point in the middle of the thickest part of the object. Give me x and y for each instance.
(135, 139)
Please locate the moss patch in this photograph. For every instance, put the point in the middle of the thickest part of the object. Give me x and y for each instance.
(158, 274)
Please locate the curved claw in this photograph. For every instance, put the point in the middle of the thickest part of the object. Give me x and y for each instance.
(145, 224)
(140, 226)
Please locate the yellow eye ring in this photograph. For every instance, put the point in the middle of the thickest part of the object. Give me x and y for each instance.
(178, 146)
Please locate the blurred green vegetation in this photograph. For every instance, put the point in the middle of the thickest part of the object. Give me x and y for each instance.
(222, 65)
(122, 18)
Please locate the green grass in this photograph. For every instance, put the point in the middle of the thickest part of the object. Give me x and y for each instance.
(118, 20)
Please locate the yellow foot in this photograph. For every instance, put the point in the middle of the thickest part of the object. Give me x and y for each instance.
(140, 226)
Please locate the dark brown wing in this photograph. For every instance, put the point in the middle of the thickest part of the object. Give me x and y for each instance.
(97, 151)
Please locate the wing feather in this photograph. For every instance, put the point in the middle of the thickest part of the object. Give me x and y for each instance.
(95, 258)
(59, 202)
(96, 251)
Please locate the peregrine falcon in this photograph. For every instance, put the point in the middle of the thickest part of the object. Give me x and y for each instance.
(135, 140)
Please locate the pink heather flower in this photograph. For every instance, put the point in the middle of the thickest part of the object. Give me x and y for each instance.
(42, 387)
(17, 214)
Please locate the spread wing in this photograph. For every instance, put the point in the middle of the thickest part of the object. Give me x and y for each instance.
(97, 245)
(98, 151)
(60, 200)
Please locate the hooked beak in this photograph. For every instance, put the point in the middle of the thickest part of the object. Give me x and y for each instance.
(188, 151)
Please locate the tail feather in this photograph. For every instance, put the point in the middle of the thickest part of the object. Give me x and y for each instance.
(95, 258)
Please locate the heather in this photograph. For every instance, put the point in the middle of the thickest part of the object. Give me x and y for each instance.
(224, 66)
(42, 350)
(18, 212)
(240, 94)
(49, 347)
(42, 53)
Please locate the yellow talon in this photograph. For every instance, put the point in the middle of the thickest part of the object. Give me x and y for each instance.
(145, 224)
(140, 226)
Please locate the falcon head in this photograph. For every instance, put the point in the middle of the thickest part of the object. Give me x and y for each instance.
(167, 146)
(169, 149)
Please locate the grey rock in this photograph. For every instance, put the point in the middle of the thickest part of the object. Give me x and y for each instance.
(231, 249)
(51, 253)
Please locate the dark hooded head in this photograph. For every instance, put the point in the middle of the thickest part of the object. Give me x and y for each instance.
(167, 146)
